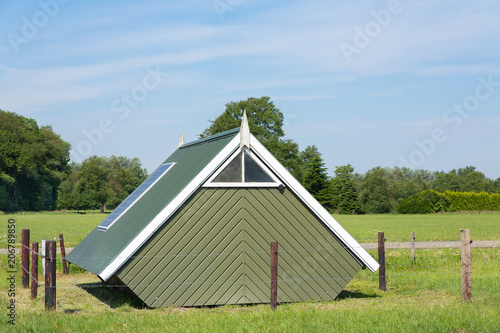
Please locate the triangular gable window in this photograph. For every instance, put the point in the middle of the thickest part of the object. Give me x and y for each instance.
(244, 169)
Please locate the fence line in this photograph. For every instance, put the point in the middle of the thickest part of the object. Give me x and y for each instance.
(238, 282)
(37, 282)
(31, 250)
(53, 258)
(60, 260)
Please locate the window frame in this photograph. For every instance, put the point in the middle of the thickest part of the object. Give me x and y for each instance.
(240, 152)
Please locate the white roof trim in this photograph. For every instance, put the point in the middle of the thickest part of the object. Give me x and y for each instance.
(313, 204)
(170, 209)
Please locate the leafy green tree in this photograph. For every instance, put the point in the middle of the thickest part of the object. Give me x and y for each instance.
(264, 119)
(33, 161)
(266, 124)
(68, 196)
(466, 179)
(116, 177)
(125, 176)
(345, 199)
(403, 184)
(446, 181)
(93, 183)
(374, 196)
(496, 186)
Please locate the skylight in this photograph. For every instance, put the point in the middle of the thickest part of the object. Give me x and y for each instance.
(134, 196)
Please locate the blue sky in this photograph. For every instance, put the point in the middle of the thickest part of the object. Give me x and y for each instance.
(370, 83)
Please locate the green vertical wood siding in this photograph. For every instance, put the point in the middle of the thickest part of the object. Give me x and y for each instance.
(215, 250)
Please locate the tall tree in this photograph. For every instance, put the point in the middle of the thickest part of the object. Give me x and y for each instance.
(345, 199)
(32, 163)
(94, 182)
(374, 196)
(496, 186)
(316, 180)
(125, 176)
(264, 119)
(266, 124)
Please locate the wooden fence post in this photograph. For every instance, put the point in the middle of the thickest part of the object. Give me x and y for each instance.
(44, 247)
(381, 261)
(63, 254)
(50, 275)
(25, 257)
(274, 275)
(413, 246)
(34, 270)
(466, 265)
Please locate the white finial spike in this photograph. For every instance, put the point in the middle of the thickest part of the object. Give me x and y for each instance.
(181, 140)
(244, 131)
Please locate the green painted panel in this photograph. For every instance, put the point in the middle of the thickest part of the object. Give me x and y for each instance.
(307, 266)
(326, 240)
(193, 243)
(215, 250)
(313, 242)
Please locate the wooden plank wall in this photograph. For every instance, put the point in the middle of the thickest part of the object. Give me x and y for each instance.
(215, 250)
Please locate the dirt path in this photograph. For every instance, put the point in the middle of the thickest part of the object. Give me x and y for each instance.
(389, 246)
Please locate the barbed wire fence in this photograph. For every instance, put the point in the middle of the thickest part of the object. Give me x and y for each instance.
(394, 269)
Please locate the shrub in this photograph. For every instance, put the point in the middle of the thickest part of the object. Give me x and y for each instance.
(425, 202)
(469, 201)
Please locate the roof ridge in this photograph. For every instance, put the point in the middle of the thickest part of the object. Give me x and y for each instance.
(211, 138)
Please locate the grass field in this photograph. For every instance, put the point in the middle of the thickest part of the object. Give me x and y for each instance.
(422, 296)
(429, 227)
(48, 226)
(364, 228)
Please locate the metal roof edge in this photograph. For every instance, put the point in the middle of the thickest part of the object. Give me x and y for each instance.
(313, 205)
(174, 205)
(214, 137)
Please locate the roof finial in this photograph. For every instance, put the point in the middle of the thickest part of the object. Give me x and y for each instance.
(181, 140)
(244, 131)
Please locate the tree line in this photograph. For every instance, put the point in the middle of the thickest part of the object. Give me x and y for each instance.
(100, 183)
(36, 173)
(380, 190)
(33, 162)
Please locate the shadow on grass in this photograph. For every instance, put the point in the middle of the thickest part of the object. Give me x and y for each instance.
(354, 294)
(114, 297)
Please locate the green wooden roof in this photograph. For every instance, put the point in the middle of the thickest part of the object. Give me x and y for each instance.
(100, 248)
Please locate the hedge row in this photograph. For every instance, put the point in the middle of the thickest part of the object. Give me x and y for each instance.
(473, 201)
(431, 201)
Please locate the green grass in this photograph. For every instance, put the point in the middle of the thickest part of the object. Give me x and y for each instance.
(422, 296)
(48, 226)
(364, 228)
(429, 227)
